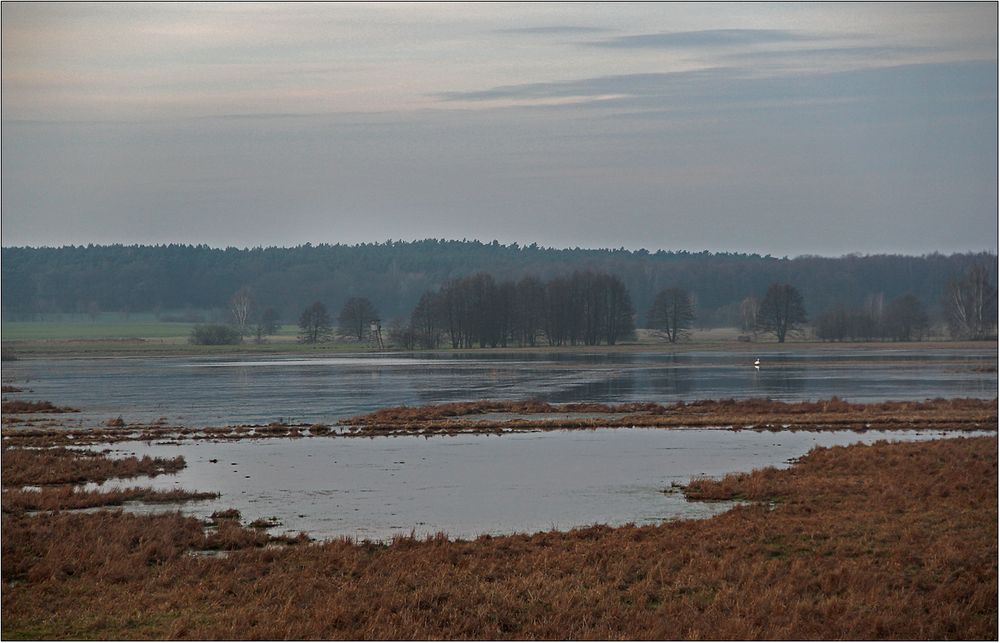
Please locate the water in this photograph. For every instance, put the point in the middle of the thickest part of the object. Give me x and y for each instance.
(215, 391)
(474, 484)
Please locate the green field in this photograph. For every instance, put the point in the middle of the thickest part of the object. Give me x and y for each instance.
(144, 329)
(22, 331)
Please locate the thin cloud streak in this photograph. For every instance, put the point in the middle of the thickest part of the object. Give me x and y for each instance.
(553, 30)
(704, 38)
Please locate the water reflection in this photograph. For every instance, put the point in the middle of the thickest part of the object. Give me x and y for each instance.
(469, 485)
(210, 391)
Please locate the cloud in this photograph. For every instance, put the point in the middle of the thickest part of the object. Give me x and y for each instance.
(826, 54)
(553, 30)
(924, 87)
(703, 38)
(627, 84)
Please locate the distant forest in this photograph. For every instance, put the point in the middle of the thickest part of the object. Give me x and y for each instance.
(194, 283)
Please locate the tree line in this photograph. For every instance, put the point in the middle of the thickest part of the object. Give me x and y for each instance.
(185, 282)
(589, 308)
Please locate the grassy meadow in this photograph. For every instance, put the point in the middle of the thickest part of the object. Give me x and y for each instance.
(887, 541)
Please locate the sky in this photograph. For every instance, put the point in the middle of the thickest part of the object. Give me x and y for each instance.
(785, 129)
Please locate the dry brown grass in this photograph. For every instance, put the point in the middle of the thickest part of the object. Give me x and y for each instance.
(41, 406)
(835, 413)
(60, 465)
(865, 542)
(68, 497)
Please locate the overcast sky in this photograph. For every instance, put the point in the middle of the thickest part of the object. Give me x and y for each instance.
(786, 129)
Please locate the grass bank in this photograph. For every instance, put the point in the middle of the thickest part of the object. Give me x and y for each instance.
(862, 542)
(832, 414)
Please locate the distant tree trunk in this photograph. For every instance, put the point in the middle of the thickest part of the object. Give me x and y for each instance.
(620, 322)
(424, 321)
(749, 308)
(240, 308)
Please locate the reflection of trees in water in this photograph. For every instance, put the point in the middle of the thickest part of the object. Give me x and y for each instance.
(619, 386)
(777, 381)
(674, 382)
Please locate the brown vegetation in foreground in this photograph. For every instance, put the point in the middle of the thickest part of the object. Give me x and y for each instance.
(41, 406)
(864, 542)
(60, 465)
(835, 413)
(67, 497)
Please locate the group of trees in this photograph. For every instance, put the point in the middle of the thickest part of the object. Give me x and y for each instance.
(903, 319)
(584, 307)
(591, 308)
(968, 306)
(245, 318)
(780, 312)
(249, 318)
(353, 321)
(197, 281)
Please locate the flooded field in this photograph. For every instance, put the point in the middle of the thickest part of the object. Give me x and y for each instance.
(475, 484)
(215, 391)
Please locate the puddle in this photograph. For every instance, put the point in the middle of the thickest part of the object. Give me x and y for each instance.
(475, 484)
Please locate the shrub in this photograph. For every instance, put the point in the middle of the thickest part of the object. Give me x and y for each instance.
(214, 335)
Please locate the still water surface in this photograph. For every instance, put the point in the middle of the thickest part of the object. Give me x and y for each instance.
(474, 484)
(201, 392)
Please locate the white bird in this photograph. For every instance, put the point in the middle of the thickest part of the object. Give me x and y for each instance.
(756, 363)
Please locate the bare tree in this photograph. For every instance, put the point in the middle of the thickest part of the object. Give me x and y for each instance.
(315, 323)
(781, 310)
(355, 317)
(402, 335)
(529, 319)
(425, 322)
(671, 314)
(241, 306)
(749, 308)
(970, 304)
(620, 319)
